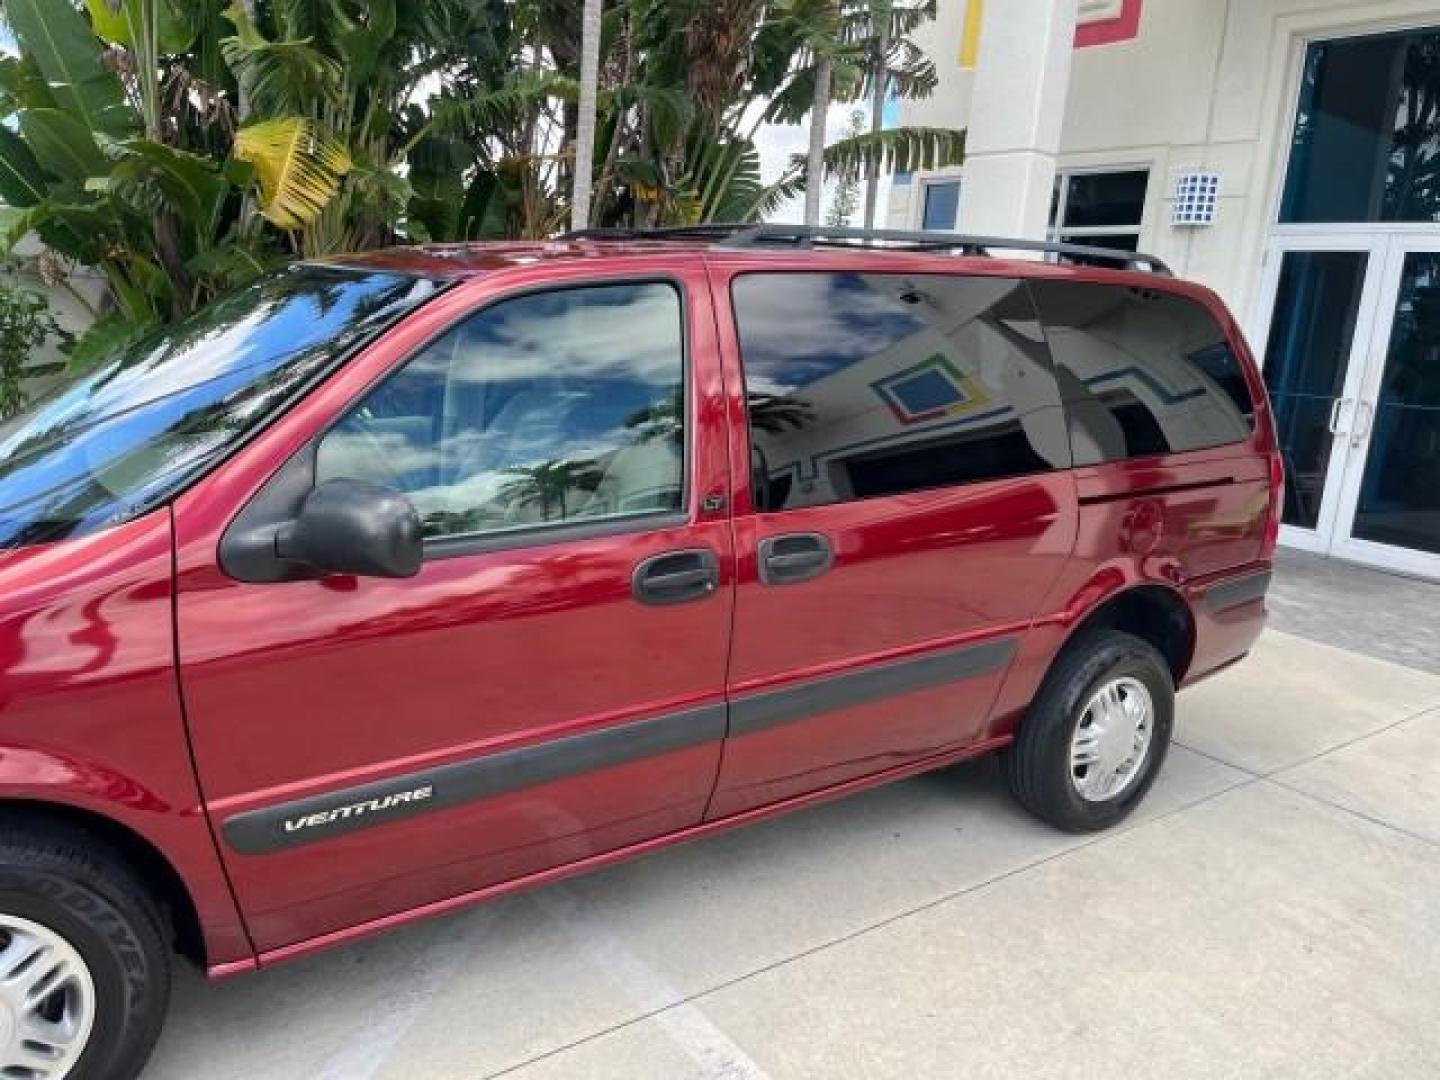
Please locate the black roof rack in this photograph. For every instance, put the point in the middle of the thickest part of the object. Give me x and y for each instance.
(704, 231)
(741, 236)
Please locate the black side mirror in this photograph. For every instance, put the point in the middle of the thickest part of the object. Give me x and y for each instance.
(354, 527)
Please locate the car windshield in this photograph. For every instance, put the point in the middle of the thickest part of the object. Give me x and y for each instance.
(130, 433)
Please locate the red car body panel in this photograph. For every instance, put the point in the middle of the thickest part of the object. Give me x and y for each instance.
(113, 643)
(1180, 522)
(92, 717)
(498, 651)
(913, 574)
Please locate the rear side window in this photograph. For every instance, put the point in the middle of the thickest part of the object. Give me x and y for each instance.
(562, 407)
(863, 385)
(1141, 371)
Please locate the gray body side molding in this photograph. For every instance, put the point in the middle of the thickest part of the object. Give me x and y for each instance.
(1231, 594)
(334, 813)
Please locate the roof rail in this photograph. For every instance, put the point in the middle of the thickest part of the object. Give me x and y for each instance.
(702, 231)
(742, 236)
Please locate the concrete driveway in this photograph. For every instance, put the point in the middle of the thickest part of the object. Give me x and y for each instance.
(1273, 910)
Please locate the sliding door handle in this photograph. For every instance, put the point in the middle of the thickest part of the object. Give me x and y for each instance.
(794, 557)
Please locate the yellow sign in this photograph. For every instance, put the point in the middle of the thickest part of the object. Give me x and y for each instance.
(970, 36)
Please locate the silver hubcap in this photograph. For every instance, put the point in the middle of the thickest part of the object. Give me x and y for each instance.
(47, 1002)
(1112, 740)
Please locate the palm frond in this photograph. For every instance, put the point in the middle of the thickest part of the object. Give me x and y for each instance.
(297, 166)
(503, 105)
(772, 197)
(669, 108)
(281, 77)
(902, 149)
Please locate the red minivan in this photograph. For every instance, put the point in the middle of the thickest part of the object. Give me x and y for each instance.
(395, 582)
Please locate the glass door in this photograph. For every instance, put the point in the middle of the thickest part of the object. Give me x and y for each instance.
(1389, 502)
(1319, 295)
(1350, 303)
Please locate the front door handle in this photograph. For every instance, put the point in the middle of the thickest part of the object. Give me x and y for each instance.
(794, 557)
(676, 576)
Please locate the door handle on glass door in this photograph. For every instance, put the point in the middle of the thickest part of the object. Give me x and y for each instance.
(1335, 410)
(1365, 414)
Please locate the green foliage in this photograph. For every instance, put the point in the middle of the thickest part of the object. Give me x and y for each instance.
(130, 23)
(846, 199)
(21, 182)
(25, 325)
(181, 146)
(297, 166)
(898, 149)
(63, 146)
(107, 336)
(741, 64)
(279, 77)
(66, 52)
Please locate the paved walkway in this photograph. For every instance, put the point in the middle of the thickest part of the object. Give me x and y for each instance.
(1272, 911)
(1379, 614)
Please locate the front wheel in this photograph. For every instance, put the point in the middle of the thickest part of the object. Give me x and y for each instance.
(1095, 736)
(84, 968)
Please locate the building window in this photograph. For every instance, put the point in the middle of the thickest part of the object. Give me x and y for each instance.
(1102, 209)
(941, 206)
(1367, 132)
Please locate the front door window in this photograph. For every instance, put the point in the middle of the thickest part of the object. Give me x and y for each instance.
(561, 407)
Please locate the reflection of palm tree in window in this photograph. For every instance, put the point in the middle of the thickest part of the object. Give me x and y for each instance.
(278, 371)
(660, 420)
(546, 485)
(774, 413)
(1412, 189)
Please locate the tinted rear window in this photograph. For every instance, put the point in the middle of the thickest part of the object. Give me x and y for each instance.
(862, 385)
(1142, 371)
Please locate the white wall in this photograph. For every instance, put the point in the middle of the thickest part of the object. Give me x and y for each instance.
(73, 307)
(1207, 83)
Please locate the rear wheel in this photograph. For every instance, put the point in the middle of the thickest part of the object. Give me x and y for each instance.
(84, 968)
(1096, 734)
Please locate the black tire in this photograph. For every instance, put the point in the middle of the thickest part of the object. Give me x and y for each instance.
(1037, 764)
(75, 886)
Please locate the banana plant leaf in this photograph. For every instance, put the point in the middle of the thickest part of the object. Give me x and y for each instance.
(120, 22)
(21, 181)
(64, 147)
(68, 55)
(150, 175)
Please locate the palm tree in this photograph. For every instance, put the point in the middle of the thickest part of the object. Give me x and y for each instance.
(859, 48)
(822, 39)
(585, 124)
(880, 75)
(815, 164)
